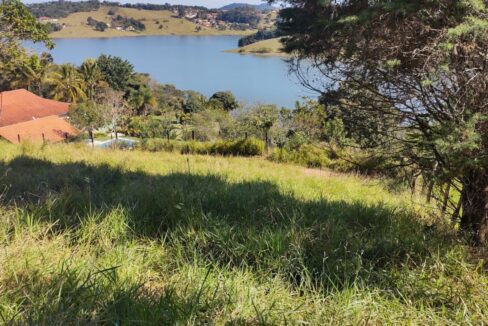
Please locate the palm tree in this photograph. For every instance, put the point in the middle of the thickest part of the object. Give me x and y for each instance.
(68, 84)
(141, 100)
(34, 73)
(92, 76)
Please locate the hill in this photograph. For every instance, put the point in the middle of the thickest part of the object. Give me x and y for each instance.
(260, 7)
(120, 237)
(157, 22)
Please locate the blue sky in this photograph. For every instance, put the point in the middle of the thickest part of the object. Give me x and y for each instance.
(206, 3)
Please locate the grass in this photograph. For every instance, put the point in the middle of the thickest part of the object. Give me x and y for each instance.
(118, 237)
(271, 47)
(76, 26)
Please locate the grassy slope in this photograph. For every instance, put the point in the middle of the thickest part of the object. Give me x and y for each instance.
(125, 237)
(77, 27)
(271, 47)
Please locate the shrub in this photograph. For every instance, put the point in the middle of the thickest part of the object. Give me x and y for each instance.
(247, 147)
(194, 147)
(307, 155)
(157, 145)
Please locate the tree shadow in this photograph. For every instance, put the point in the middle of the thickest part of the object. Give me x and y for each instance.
(248, 224)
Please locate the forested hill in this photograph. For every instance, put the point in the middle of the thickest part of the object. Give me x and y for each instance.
(58, 9)
(260, 7)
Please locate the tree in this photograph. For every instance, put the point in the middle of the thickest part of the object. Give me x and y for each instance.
(92, 77)
(423, 64)
(68, 84)
(224, 100)
(194, 102)
(141, 100)
(101, 26)
(262, 117)
(241, 15)
(169, 98)
(116, 71)
(181, 12)
(16, 24)
(34, 72)
(87, 116)
(115, 108)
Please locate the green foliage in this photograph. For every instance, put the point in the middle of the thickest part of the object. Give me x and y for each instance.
(311, 156)
(212, 124)
(244, 147)
(68, 84)
(92, 77)
(128, 23)
(264, 116)
(194, 102)
(87, 115)
(16, 24)
(169, 98)
(149, 126)
(101, 26)
(142, 100)
(262, 34)
(224, 100)
(61, 9)
(34, 73)
(335, 132)
(116, 71)
(402, 73)
(241, 15)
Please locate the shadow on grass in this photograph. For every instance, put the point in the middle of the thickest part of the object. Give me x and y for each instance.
(249, 224)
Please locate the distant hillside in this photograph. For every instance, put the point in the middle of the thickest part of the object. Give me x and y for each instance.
(260, 7)
(115, 19)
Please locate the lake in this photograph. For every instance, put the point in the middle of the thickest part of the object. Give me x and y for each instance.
(193, 63)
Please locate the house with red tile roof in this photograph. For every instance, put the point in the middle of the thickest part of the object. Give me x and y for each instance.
(26, 116)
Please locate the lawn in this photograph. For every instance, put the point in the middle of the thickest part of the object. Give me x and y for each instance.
(119, 237)
(76, 24)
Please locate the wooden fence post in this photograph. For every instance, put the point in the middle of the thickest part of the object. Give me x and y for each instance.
(18, 138)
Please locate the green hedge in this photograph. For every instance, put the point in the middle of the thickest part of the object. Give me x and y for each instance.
(308, 155)
(248, 147)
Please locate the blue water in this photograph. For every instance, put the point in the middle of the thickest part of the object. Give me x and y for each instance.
(193, 62)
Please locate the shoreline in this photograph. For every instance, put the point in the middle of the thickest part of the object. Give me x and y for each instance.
(257, 54)
(75, 37)
(265, 48)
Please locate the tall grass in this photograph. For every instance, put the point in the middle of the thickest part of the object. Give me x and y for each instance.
(114, 237)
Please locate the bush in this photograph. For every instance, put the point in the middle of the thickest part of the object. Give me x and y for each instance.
(157, 145)
(307, 155)
(366, 162)
(248, 147)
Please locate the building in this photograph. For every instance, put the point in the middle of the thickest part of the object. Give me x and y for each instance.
(26, 116)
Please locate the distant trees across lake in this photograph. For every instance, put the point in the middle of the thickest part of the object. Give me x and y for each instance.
(61, 9)
(241, 15)
(260, 35)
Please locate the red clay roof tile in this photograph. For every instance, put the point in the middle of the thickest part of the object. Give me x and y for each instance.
(54, 128)
(21, 105)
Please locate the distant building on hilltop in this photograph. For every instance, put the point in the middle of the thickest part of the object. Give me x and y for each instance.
(26, 116)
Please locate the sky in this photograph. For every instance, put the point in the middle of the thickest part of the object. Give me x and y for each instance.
(206, 3)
